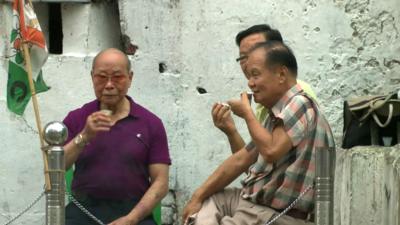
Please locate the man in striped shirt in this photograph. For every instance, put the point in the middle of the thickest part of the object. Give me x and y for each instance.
(280, 159)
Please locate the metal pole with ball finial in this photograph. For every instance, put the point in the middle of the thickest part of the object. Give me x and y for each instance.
(325, 175)
(55, 134)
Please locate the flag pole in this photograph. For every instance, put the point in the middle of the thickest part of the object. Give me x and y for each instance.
(28, 68)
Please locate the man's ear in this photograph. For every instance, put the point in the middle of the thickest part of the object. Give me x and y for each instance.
(283, 72)
(131, 74)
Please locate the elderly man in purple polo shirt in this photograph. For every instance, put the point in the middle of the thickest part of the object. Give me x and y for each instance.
(119, 149)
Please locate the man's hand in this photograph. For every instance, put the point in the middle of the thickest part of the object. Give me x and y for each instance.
(241, 107)
(96, 122)
(222, 118)
(191, 208)
(123, 221)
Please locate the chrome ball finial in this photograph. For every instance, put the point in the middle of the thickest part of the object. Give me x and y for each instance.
(55, 133)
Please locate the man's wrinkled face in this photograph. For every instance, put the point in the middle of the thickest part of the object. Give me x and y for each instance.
(111, 78)
(245, 45)
(262, 80)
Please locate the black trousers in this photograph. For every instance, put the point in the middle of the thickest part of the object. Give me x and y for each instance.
(105, 210)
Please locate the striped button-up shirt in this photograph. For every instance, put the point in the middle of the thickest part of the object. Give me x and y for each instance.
(278, 184)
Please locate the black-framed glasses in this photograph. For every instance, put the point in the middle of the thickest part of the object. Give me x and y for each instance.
(241, 58)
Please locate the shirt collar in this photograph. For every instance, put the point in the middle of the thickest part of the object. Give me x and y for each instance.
(133, 110)
(277, 108)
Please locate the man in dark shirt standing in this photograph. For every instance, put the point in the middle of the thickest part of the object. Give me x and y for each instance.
(119, 149)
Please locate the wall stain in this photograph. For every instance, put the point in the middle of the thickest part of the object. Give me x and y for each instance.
(173, 4)
(390, 63)
(356, 5)
(6, 207)
(372, 62)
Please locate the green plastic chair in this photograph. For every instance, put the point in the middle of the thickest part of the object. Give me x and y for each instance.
(69, 175)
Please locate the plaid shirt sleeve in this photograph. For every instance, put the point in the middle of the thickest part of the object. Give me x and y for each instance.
(296, 118)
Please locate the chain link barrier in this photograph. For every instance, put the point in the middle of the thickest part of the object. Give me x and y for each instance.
(83, 209)
(22, 212)
(271, 221)
(37, 199)
(98, 221)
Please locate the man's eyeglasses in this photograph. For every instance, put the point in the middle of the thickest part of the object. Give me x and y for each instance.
(116, 79)
(241, 58)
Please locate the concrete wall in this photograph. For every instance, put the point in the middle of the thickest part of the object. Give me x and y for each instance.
(367, 186)
(343, 47)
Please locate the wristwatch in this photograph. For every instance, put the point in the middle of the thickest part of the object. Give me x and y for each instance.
(80, 141)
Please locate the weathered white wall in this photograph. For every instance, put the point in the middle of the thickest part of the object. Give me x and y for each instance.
(344, 48)
(367, 186)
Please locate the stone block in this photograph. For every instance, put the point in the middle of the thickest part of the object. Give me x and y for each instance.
(367, 184)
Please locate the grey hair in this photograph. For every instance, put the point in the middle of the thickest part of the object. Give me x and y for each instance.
(128, 62)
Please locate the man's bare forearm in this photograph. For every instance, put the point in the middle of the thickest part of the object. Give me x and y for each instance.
(227, 172)
(71, 153)
(156, 192)
(235, 141)
(152, 197)
(261, 137)
(271, 145)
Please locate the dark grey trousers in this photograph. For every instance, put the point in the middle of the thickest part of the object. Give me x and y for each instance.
(106, 211)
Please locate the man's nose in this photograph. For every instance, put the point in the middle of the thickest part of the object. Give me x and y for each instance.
(250, 83)
(109, 83)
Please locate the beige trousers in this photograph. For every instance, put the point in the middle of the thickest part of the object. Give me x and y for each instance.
(228, 208)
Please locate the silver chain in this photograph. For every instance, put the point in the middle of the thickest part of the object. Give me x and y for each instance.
(26, 209)
(36, 200)
(271, 221)
(90, 215)
(83, 209)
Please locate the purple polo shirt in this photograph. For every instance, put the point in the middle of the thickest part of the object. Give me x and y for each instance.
(114, 165)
